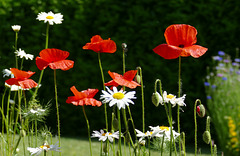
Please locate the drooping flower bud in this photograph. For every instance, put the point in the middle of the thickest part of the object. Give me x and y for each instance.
(207, 137)
(138, 79)
(156, 99)
(115, 123)
(201, 111)
(124, 46)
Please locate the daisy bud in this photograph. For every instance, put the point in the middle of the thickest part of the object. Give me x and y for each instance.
(16, 28)
(156, 99)
(138, 78)
(207, 137)
(201, 111)
(124, 46)
(142, 142)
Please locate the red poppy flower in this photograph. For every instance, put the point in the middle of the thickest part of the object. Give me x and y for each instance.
(84, 97)
(21, 79)
(181, 39)
(54, 58)
(125, 80)
(99, 45)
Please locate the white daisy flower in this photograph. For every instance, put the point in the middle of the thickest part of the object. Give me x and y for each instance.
(37, 111)
(16, 28)
(170, 98)
(38, 150)
(50, 17)
(7, 72)
(148, 134)
(120, 98)
(14, 87)
(21, 54)
(104, 136)
(166, 131)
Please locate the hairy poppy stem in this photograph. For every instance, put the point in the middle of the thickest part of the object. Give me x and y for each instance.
(195, 122)
(143, 107)
(56, 99)
(120, 133)
(178, 108)
(89, 137)
(105, 105)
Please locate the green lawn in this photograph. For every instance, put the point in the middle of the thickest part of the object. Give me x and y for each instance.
(80, 147)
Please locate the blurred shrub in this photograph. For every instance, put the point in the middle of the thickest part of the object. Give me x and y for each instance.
(223, 101)
(140, 24)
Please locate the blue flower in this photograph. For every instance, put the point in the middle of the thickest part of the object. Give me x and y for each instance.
(209, 97)
(206, 84)
(237, 60)
(214, 86)
(217, 58)
(235, 64)
(221, 53)
(224, 78)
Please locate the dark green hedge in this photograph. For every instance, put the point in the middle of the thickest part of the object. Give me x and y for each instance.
(140, 24)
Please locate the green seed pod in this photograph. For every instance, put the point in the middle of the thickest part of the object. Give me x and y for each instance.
(207, 137)
(201, 111)
(156, 99)
(138, 79)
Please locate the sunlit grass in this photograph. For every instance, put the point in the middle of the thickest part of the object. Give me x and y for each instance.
(80, 147)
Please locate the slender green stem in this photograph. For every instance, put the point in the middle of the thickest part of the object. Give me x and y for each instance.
(178, 108)
(195, 122)
(36, 133)
(120, 133)
(15, 48)
(56, 100)
(142, 91)
(149, 151)
(103, 81)
(45, 153)
(162, 144)
(47, 35)
(123, 61)
(89, 137)
(170, 124)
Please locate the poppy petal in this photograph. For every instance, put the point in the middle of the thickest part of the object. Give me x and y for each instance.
(21, 74)
(63, 65)
(129, 75)
(27, 84)
(181, 35)
(41, 64)
(195, 50)
(108, 46)
(92, 102)
(168, 51)
(90, 92)
(96, 38)
(12, 81)
(114, 75)
(129, 84)
(53, 55)
(78, 95)
(111, 83)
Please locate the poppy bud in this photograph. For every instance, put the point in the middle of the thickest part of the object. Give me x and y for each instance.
(124, 46)
(201, 111)
(207, 137)
(138, 78)
(156, 99)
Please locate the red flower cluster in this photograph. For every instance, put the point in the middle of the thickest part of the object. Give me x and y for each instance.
(21, 78)
(55, 59)
(84, 97)
(125, 80)
(181, 39)
(101, 46)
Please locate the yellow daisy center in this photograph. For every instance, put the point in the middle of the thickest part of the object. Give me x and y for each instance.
(118, 95)
(149, 132)
(44, 146)
(170, 96)
(164, 128)
(49, 17)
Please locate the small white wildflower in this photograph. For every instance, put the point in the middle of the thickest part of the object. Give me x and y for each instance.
(50, 17)
(120, 98)
(166, 131)
(104, 136)
(21, 54)
(16, 28)
(7, 72)
(148, 134)
(38, 150)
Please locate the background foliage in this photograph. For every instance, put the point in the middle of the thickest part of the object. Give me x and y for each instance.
(140, 24)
